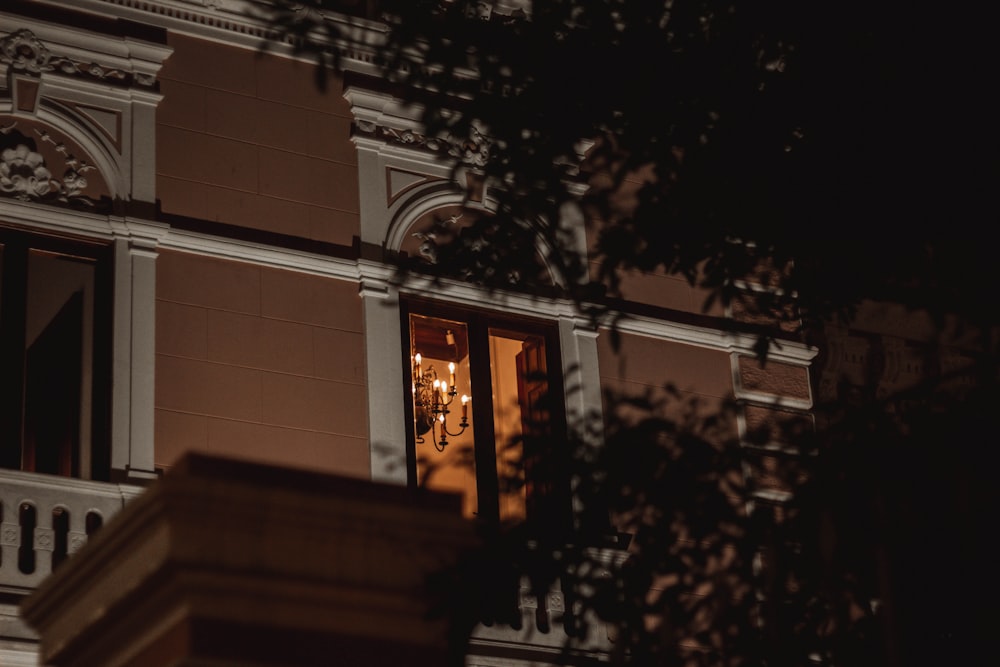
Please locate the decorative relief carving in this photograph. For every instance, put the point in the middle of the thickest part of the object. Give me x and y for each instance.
(76, 541)
(25, 176)
(10, 535)
(551, 603)
(428, 246)
(74, 68)
(473, 150)
(44, 539)
(23, 173)
(22, 51)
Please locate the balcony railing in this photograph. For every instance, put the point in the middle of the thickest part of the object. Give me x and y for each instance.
(44, 519)
(546, 625)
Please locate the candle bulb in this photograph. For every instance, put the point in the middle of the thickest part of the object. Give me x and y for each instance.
(419, 372)
(451, 371)
(465, 407)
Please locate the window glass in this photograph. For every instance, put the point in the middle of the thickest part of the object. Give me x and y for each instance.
(444, 429)
(58, 363)
(485, 451)
(53, 346)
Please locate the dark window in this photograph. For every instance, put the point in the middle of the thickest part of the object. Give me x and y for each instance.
(487, 411)
(54, 355)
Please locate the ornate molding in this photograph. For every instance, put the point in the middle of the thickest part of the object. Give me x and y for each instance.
(472, 151)
(24, 174)
(23, 52)
(10, 534)
(106, 74)
(245, 23)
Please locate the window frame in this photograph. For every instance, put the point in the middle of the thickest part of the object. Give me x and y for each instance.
(479, 322)
(17, 245)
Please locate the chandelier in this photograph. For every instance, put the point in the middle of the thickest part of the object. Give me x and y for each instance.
(432, 400)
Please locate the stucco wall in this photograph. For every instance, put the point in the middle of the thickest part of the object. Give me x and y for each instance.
(259, 363)
(247, 139)
(643, 366)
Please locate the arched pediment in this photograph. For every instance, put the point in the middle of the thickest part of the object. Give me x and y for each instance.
(415, 213)
(437, 216)
(77, 113)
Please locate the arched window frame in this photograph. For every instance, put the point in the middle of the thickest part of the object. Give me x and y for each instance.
(398, 185)
(480, 326)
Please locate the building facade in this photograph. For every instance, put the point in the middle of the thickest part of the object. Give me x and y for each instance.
(197, 248)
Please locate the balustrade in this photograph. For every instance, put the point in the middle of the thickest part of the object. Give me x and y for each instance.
(44, 519)
(547, 625)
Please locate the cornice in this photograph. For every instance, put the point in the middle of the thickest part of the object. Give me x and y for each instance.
(789, 352)
(44, 218)
(35, 46)
(243, 23)
(527, 305)
(261, 254)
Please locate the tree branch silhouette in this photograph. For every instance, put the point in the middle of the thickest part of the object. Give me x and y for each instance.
(800, 166)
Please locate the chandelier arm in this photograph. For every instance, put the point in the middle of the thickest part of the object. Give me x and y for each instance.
(429, 397)
(444, 429)
(439, 445)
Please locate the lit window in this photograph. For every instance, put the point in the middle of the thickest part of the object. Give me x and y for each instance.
(54, 355)
(485, 410)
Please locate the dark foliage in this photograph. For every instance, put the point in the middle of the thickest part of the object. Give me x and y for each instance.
(772, 140)
(833, 155)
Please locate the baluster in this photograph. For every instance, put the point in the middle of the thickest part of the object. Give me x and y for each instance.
(45, 540)
(10, 536)
(77, 535)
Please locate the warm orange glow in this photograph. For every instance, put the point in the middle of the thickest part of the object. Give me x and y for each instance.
(507, 425)
(451, 466)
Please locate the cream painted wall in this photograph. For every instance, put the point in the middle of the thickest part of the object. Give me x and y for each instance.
(643, 365)
(248, 140)
(259, 363)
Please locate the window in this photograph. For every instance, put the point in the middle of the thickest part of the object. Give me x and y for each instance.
(54, 355)
(486, 412)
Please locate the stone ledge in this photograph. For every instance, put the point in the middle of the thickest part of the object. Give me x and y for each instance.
(223, 555)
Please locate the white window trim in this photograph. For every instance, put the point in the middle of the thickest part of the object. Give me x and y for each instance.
(135, 245)
(387, 428)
